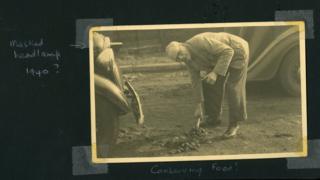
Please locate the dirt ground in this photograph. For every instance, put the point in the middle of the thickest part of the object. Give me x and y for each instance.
(273, 125)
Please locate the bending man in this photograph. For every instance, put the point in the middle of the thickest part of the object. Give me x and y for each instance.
(216, 62)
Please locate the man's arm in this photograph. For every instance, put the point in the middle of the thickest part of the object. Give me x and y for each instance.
(224, 53)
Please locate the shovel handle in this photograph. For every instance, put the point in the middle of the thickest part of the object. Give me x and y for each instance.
(201, 104)
(199, 119)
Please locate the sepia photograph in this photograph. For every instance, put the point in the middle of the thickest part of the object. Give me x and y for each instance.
(192, 92)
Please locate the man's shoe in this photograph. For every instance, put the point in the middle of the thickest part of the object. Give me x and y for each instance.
(210, 124)
(231, 132)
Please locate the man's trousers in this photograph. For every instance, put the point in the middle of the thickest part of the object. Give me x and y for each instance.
(234, 85)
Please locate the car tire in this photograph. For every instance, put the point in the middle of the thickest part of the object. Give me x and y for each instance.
(107, 125)
(289, 72)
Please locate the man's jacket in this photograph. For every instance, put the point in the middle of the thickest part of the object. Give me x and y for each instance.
(215, 52)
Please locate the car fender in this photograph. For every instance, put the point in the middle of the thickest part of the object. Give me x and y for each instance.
(103, 64)
(111, 92)
(266, 66)
(106, 66)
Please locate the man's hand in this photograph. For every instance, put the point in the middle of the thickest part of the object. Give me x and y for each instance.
(211, 78)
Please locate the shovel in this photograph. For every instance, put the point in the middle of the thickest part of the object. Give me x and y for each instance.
(202, 112)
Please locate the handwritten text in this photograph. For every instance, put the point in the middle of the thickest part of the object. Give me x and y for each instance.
(38, 58)
(35, 53)
(157, 169)
(27, 43)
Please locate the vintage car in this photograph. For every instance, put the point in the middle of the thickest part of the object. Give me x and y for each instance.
(275, 55)
(114, 96)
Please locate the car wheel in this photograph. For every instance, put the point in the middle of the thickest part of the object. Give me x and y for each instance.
(107, 125)
(289, 72)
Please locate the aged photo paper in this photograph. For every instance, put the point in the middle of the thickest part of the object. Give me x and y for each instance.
(192, 92)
